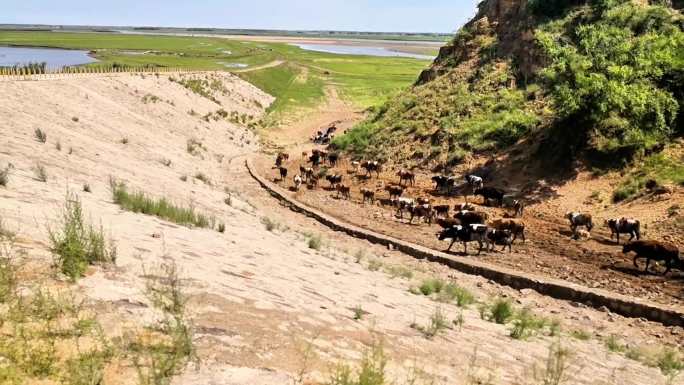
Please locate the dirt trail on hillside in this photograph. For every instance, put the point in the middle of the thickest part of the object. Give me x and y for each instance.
(261, 299)
(549, 251)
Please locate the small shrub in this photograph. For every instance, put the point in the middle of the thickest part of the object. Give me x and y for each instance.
(452, 292)
(86, 188)
(430, 286)
(499, 311)
(76, 244)
(74, 119)
(358, 313)
(166, 162)
(437, 324)
(124, 140)
(229, 200)
(614, 345)
(40, 135)
(4, 176)
(221, 228)
(184, 178)
(670, 363)
(40, 173)
(526, 324)
(58, 146)
(315, 242)
(371, 371)
(270, 224)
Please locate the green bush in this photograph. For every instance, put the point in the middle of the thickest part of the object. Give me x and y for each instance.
(76, 244)
(610, 70)
(499, 311)
(452, 292)
(430, 286)
(526, 324)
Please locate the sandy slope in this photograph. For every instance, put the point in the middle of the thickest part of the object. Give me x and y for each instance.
(258, 298)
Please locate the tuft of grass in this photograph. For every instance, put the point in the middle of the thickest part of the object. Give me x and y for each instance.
(221, 228)
(270, 224)
(203, 178)
(374, 264)
(499, 311)
(76, 244)
(86, 187)
(139, 202)
(124, 140)
(437, 323)
(670, 362)
(184, 178)
(399, 271)
(452, 292)
(166, 162)
(74, 119)
(40, 135)
(526, 324)
(430, 286)
(40, 172)
(193, 146)
(315, 242)
(58, 146)
(358, 313)
(372, 370)
(614, 345)
(5, 175)
(581, 335)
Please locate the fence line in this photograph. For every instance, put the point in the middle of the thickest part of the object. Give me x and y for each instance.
(30, 73)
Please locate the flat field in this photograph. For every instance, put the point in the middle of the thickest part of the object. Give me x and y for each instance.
(296, 77)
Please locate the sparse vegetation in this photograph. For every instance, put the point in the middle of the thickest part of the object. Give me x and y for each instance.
(438, 322)
(58, 146)
(40, 135)
(452, 292)
(358, 313)
(499, 311)
(581, 335)
(5, 175)
(374, 264)
(74, 119)
(221, 228)
(139, 202)
(202, 177)
(315, 242)
(399, 271)
(526, 324)
(270, 224)
(430, 286)
(76, 244)
(194, 147)
(372, 370)
(124, 140)
(86, 187)
(40, 172)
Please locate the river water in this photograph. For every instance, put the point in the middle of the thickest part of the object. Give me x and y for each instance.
(55, 58)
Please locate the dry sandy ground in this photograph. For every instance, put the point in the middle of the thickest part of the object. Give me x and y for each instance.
(259, 299)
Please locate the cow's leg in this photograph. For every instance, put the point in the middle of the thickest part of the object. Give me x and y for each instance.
(617, 237)
(465, 247)
(636, 257)
(451, 244)
(669, 266)
(479, 250)
(522, 234)
(648, 262)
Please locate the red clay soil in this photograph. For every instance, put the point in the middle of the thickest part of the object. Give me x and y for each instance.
(549, 250)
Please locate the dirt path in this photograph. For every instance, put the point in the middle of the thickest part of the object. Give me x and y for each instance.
(272, 64)
(261, 293)
(549, 251)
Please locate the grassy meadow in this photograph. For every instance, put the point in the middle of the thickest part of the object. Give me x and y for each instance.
(299, 82)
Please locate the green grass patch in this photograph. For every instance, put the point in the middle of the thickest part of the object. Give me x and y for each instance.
(500, 311)
(139, 202)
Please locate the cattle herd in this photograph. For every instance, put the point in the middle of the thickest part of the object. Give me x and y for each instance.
(466, 225)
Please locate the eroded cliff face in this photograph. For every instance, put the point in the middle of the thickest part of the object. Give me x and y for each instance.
(509, 26)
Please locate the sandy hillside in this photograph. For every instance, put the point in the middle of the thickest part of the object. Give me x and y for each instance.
(266, 307)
